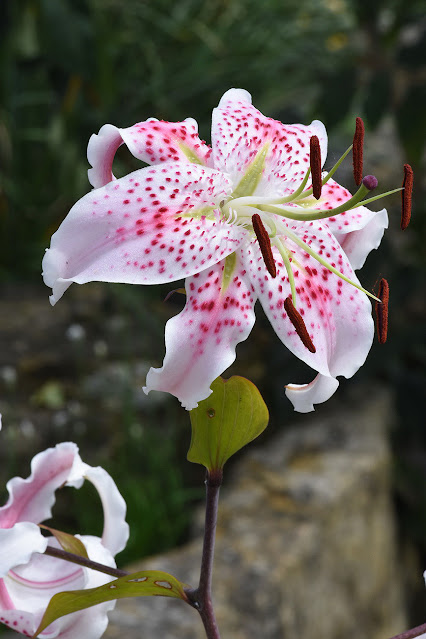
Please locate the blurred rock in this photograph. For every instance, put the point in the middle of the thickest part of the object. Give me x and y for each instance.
(305, 541)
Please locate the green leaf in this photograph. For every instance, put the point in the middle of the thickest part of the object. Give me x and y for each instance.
(222, 424)
(138, 584)
(68, 542)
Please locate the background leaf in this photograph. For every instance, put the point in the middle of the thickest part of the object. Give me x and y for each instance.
(68, 542)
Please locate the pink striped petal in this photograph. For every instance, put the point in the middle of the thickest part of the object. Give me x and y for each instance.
(30, 502)
(30, 587)
(304, 397)
(153, 142)
(18, 544)
(31, 499)
(336, 314)
(201, 340)
(240, 131)
(156, 225)
(359, 230)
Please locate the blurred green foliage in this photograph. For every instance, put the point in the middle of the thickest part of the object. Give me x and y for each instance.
(69, 66)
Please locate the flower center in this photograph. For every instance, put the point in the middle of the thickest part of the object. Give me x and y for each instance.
(266, 217)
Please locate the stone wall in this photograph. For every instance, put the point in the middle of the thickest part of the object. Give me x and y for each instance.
(305, 540)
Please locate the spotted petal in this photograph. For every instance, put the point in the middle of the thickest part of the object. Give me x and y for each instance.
(156, 225)
(337, 315)
(201, 340)
(31, 499)
(153, 142)
(240, 132)
(359, 230)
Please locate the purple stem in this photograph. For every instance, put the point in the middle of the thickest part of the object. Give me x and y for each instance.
(200, 598)
(412, 633)
(82, 561)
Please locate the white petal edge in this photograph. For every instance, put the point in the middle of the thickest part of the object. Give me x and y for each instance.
(234, 95)
(305, 396)
(18, 544)
(116, 530)
(31, 499)
(100, 154)
(358, 244)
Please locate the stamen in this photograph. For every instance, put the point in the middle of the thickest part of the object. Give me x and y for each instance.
(315, 162)
(265, 244)
(406, 195)
(358, 148)
(287, 264)
(382, 311)
(296, 239)
(298, 323)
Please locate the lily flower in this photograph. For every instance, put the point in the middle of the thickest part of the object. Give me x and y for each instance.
(240, 222)
(28, 578)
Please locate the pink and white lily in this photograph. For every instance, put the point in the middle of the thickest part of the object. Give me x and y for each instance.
(189, 215)
(28, 578)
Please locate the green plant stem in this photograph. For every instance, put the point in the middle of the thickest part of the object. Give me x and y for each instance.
(412, 633)
(82, 561)
(200, 598)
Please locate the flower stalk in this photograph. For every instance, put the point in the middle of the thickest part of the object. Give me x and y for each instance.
(201, 598)
(82, 561)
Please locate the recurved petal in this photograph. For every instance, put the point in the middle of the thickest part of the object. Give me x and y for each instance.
(92, 622)
(30, 587)
(116, 530)
(305, 396)
(240, 131)
(336, 314)
(359, 230)
(156, 225)
(18, 544)
(31, 499)
(152, 141)
(201, 340)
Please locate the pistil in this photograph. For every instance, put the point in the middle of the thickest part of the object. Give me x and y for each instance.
(308, 215)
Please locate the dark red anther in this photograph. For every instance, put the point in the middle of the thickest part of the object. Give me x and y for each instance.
(298, 323)
(315, 160)
(382, 311)
(406, 196)
(265, 244)
(358, 150)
